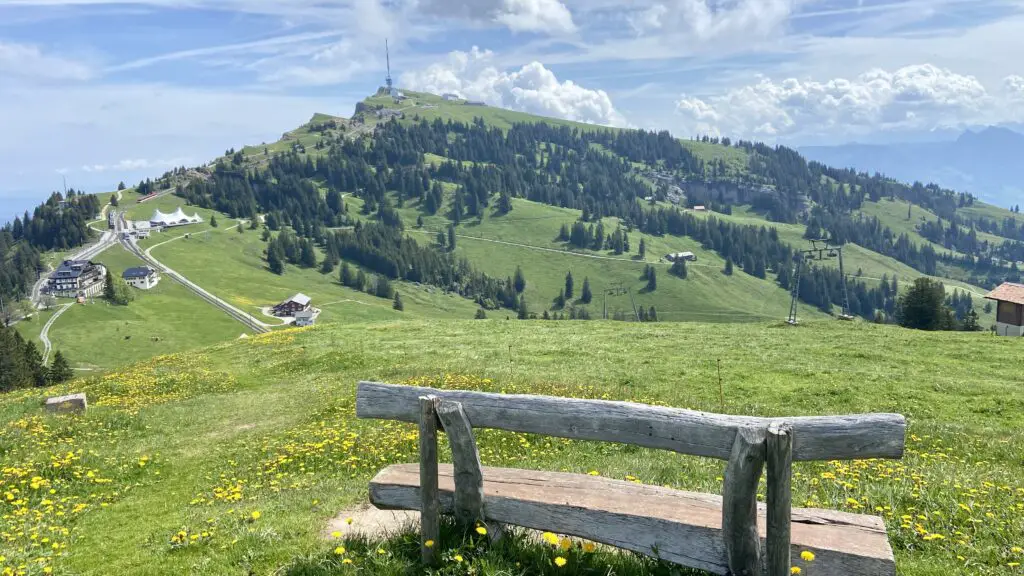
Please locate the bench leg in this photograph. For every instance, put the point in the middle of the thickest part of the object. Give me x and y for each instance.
(430, 527)
(779, 496)
(739, 503)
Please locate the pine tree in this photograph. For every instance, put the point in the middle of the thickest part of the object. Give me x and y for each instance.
(34, 362)
(652, 315)
(560, 299)
(568, 286)
(451, 238)
(265, 235)
(480, 314)
(678, 268)
(60, 370)
(274, 262)
(652, 280)
(546, 316)
(113, 200)
(523, 312)
(504, 203)
(308, 257)
(345, 276)
(642, 250)
(397, 304)
(108, 286)
(419, 221)
(586, 295)
(519, 280)
(360, 283)
(121, 186)
(327, 266)
(213, 220)
(971, 322)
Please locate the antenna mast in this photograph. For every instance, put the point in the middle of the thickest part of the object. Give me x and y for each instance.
(387, 56)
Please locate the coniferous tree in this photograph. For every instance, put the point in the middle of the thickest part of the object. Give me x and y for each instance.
(307, 258)
(642, 250)
(568, 286)
(274, 262)
(120, 186)
(108, 286)
(519, 280)
(327, 266)
(60, 370)
(397, 304)
(345, 276)
(360, 283)
(678, 268)
(265, 235)
(922, 307)
(480, 314)
(652, 280)
(652, 315)
(451, 238)
(523, 312)
(560, 299)
(728, 267)
(113, 200)
(586, 295)
(213, 220)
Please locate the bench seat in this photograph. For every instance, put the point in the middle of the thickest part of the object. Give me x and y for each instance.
(681, 527)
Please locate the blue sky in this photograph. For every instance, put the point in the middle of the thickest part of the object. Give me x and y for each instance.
(107, 90)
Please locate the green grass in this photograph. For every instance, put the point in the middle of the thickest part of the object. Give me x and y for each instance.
(734, 159)
(527, 237)
(273, 416)
(231, 265)
(162, 320)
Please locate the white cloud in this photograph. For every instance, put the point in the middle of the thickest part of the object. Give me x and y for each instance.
(29, 62)
(698, 21)
(548, 16)
(1014, 87)
(533, 88)
(913, 97)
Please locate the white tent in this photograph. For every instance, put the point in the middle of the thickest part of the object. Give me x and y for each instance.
(177, 218)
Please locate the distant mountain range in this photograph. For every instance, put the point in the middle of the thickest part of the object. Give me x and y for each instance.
(988, 162)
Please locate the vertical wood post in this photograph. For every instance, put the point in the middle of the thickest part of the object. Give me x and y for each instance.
(739, 505)
(469, 480)
(780, 467)
(430, 527)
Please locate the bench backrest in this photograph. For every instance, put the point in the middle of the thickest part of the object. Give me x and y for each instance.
(747, 444)
(684, 431)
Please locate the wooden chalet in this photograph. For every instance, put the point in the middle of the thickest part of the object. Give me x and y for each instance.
(292, 306)
(1009, 309)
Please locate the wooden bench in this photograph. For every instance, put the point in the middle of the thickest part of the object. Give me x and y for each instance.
(728, 534)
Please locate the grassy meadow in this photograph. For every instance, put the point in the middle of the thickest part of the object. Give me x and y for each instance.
(166, 318)
(233, 459)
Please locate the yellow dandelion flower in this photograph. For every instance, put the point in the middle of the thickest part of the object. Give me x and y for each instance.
(1013, 564)
(481, 530)
(457, 558)
(550, 538)
(795, 570)
(807, 556)
(348, 521)
(339, 550)
(559, 561)
(346, 561)
(381, 551)
(594, 473)
(565, 544)
(256, 514)
(589, 547)
(1015, 550)
(429, 543)
(335, 534)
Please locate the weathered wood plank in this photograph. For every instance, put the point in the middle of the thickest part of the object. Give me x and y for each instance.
(430, 522)
(683, 527)
(739, 502)
(779, 454)
(683, 431)
(469, 481)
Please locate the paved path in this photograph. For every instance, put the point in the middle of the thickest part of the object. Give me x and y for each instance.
(45, 334)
